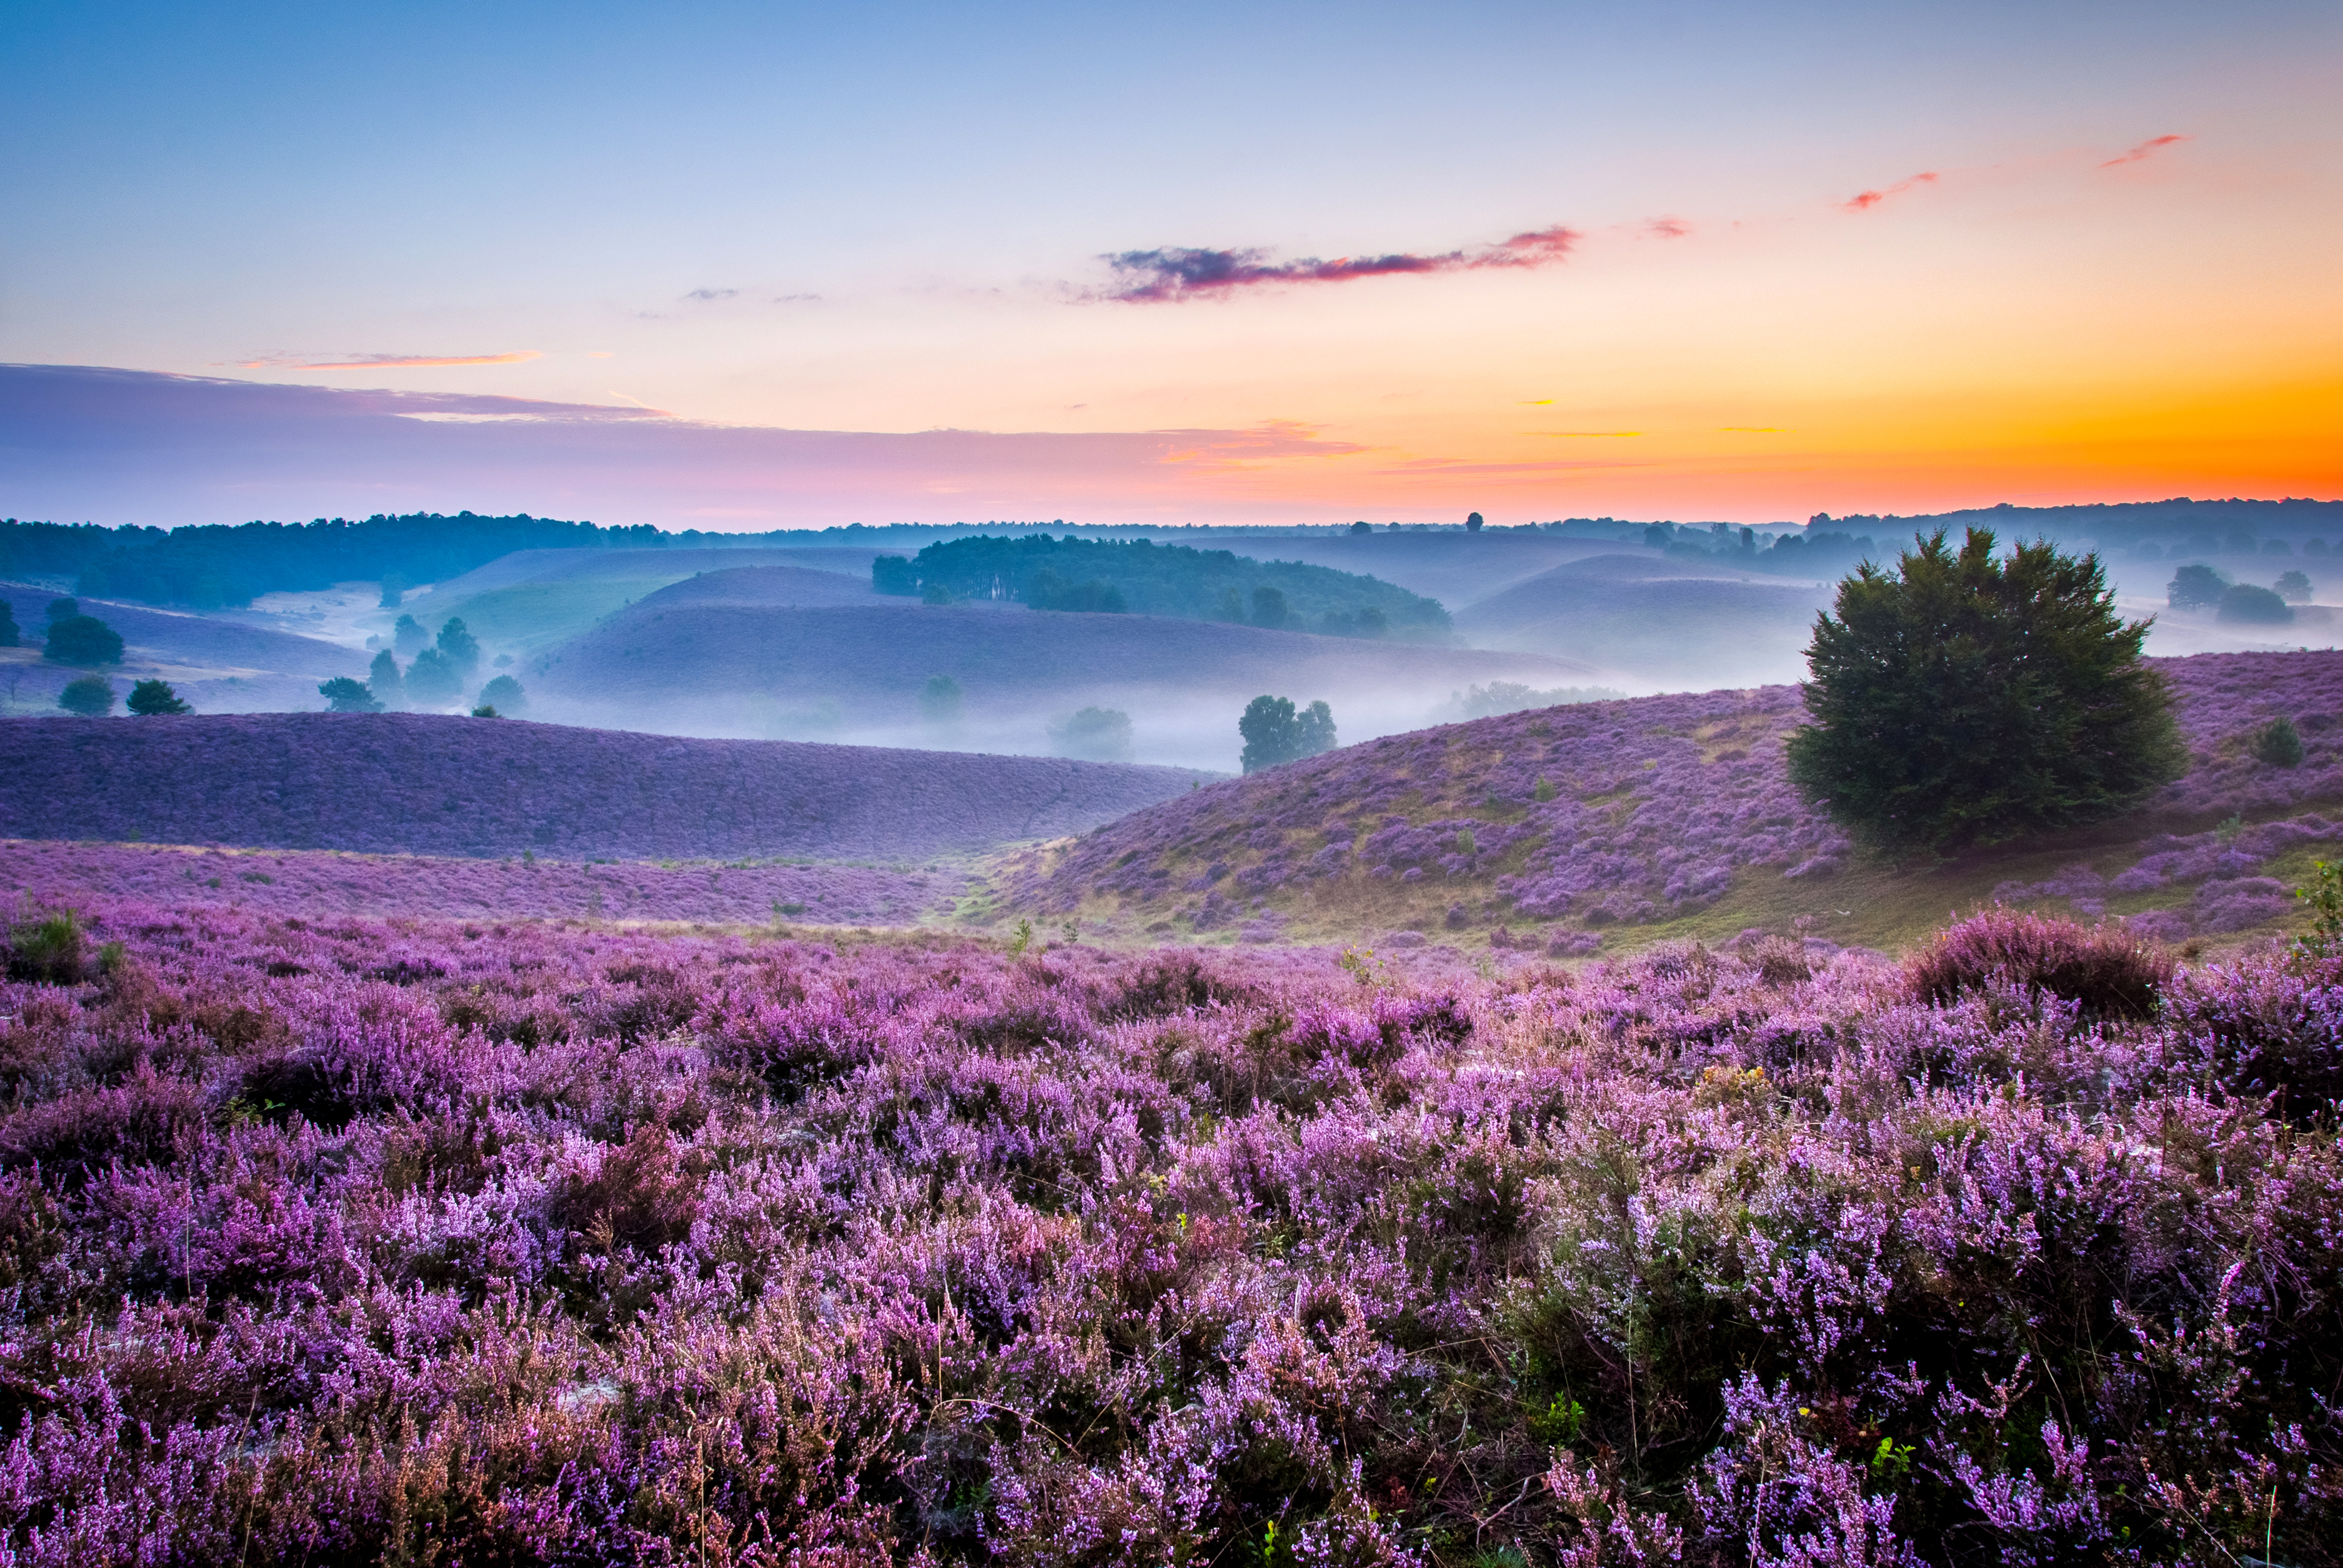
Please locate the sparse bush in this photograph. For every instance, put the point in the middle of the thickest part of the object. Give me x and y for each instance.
(940, 699)
(82, 640)
(2247, 604)
(155, 698)
(2198, 587)
(2293, 586)
(1094, 734)
(2279, 744)
(433, 680)
(2111, 974)
(1275, 733)
(91, 697)
(505, 695)
(49, 950)
(1966, 699)
(344, 695)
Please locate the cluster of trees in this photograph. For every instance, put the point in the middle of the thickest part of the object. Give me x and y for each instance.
(1113, 576)
(70, 637)
(441, 671)
(220, 564)
(2201, 586)
(92, 696)
(1275, 732)
(1964, 698)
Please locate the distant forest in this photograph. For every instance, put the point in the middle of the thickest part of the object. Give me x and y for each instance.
(1147, 578)
(231, 566)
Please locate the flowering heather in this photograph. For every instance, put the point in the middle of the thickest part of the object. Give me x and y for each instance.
(1601, 813)
(320, 883)
(337, 1241)
(431, 785)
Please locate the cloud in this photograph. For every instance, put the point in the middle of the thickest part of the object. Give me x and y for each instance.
(1667, 229)
(1176, 273)
(1864, 201)
(1581, 435)
(2146, 149)
(709, 295)
(383, 361)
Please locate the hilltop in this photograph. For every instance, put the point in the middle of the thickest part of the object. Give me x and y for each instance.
(475, 787)
(1628, 821)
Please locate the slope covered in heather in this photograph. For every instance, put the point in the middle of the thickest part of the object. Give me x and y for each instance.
(221, 666)
(430, 785)
(735, 668)
(1673, 815)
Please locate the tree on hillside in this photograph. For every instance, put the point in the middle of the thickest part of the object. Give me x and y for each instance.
(1472, 523)
(394, 589)
(2293, 586)
(1231, 607)
(409, 636)
(1095, 734)
(2252, 606)
(92, 696)
(1963, 699)
(460, 646)
(504, 694)
(1268, 608)
(83, 639)
(155, 699)
(432, 681)
(2195, 588)
(63, 610)
(1275, 733)
(389, 687)
(8, 632)
(344, 695)
(1363, 527)
(940, 699)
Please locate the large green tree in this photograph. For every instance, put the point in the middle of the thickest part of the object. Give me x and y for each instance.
(1965, 697)
(1276, 732)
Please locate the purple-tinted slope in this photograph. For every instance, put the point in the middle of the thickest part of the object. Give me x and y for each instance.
(430, 785)
(786, 586)
(1650, 615)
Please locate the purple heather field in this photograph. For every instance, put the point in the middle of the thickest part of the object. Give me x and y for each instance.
(1653, 808)
(329, 1240)
(426, 784)
(51, 874)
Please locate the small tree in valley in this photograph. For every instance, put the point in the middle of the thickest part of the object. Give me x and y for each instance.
(389, 687)
(458, 646)
(409, 635)
(92, 696)
(432, 681)
(1095, 734)
(83, 639)
(155, 699)
(1274, 732)
(344, 695)
(2195, 588)
(1963, 697)
(9, 635)
(940, 699)
(504, 694)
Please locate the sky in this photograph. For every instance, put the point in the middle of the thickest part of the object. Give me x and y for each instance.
(736, 267)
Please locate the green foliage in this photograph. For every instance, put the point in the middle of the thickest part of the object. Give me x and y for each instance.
(505, 695)
(2247, 604)
(2195, 588)
(344, 695)
(48, 950)
(1965, 698)
(1891, 1461)
(9, 635)
(484, 711)
(1148, 578)
(2294, 588)
(409, 635)
(155, 698)
(1561, 1422)
(459, 645)
(394, 589)
(1543, 790)
(1269, 607)
(2323, 897)
(433, 680)
(92, 696)
(63, 610)
(1274, 732)
(1094, 734)
(2279, 744)
(82, 640)
(940, 699)
(1024, 940)
(384, 680)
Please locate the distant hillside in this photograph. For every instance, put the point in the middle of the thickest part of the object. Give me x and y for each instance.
(532, 600)
(426, 785)
(786, 586)
(220, 666)
(1670, 815)
(1146, 579)
(1655, 617)
(1183, 683)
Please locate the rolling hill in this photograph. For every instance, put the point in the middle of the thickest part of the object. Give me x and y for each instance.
(1672, 816)
(732, 667)
(475, 786)
(220, 666)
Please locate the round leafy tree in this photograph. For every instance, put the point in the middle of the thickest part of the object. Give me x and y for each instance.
(156, 699)
(1965, 697)
(2253, 607)
(504, 694)
(433, 680)
(83, 639)
(2293, 586)
(344, 695)
(2195, 588)
(459, 645)
(92, 696)
(1274, 731)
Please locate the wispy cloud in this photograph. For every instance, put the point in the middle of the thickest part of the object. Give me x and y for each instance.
(1583, 435)
(1864, 201)
(1176, 273)
(710, 295)
(383, 361)
(2146, 149)
(1667, 229)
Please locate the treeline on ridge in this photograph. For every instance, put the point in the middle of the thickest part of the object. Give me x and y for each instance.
(1141, 578)
(216, 565)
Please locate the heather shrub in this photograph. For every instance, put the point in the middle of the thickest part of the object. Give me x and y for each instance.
(1965, 697)
(2109, 973)
(49, 950)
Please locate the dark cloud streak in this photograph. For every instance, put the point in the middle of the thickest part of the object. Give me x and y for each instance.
(1174, 273)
